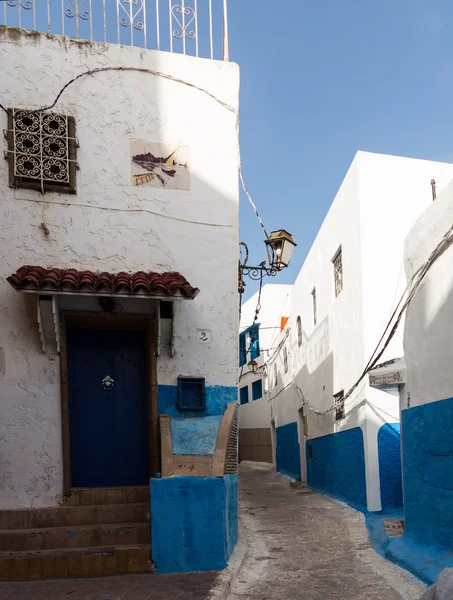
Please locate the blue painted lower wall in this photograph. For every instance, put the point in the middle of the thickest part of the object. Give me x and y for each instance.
(337, 466)
(427, 434)
(195, 436)
(389, 452)
(217, 399)
(193, 522)
(288, 451)
(231, 513)
(427, 445)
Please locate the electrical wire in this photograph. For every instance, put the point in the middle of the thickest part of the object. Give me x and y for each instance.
(128, 210)
(170, 78)
(136, 69)
(250, 197)
(258, 304)
(410, 291)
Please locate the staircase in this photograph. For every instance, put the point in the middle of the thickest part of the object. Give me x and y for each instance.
(97, 531)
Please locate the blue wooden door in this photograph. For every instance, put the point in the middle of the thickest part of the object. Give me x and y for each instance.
(107, 407)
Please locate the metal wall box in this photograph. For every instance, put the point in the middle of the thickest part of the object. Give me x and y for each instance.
(191, 393)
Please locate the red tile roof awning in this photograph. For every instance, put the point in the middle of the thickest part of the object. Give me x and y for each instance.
(71, 281)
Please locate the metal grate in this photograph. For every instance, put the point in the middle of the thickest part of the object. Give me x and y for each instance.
(339, 405)
(299, 331)
(231, 459)
(315, 312)
(41, 150)
(338, 272)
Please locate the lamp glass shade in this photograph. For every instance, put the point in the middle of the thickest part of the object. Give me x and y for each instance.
(282, 245)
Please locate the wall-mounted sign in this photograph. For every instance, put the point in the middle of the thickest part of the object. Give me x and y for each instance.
(389, 378)
(159, 165)
(204, 336)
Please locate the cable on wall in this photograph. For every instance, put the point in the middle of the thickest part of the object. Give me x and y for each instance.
(411, 290)
(170, 78)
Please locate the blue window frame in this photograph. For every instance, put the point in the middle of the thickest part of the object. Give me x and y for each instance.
(242, 351)
(244, 394)
(257, 389)
(249, 344)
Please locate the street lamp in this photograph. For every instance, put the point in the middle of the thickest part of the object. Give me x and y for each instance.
(280, 247)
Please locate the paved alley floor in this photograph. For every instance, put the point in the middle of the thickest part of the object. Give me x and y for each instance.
(309, 547)
(194, 586)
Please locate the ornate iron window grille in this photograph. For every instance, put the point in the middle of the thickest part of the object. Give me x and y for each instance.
(339, 406)
(338, 272)
(315, 310)
(41, 151)
(299, 331)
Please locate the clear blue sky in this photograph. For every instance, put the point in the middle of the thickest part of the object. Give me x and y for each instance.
(321, 80)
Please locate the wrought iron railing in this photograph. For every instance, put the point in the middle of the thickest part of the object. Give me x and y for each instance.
(194, 27)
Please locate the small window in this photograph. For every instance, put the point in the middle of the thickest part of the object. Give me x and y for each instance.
(315, 312)
(275, 375)
(339, 406)
(310, 451)
(41, 151)
(244, 394)
(191, 393)
(285, 359)
(299, 331)
(338, 272)
(257, 389)
(249, 344)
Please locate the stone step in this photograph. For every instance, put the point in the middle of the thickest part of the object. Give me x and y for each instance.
(77, 562)
(74, 515)
(107, 495)
(86, 536)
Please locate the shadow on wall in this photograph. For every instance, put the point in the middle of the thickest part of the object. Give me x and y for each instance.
(335, 461)
(317, 387)
(156, 223)
(390, 477)
(427, 441)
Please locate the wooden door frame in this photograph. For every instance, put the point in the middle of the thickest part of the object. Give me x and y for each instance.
(98, 320)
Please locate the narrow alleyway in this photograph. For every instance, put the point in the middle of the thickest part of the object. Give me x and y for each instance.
(308, 546)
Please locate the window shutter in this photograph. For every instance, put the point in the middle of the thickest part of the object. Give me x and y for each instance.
(254, 342)
(244, 394)
(257, 389)
(242, 351)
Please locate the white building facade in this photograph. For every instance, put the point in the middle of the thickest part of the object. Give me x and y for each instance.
(341, 302)
(258, 334)
(139, 234)
(426, 396)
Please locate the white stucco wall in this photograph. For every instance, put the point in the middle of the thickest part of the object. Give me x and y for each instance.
(394, 192)
(331, 353)
(378, 201)
(275, 304)
(428, 350)
(110, 225)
